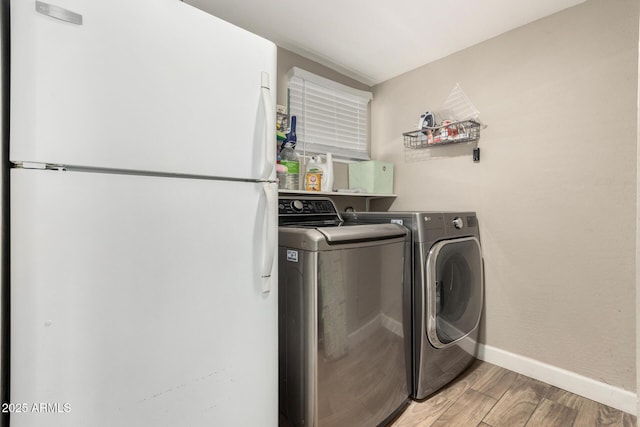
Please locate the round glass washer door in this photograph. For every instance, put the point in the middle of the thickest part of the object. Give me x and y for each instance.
(454, 290)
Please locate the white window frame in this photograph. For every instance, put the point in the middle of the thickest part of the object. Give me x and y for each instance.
(330, 117)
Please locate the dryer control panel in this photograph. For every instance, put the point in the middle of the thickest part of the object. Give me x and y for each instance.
(458, 223)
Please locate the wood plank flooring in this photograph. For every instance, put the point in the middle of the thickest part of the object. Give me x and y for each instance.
(489, 396)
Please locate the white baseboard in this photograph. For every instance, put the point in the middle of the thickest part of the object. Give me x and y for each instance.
(577, 384)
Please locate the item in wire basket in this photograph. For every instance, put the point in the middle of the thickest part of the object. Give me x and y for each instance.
(449, 131)
(461, 131)
(437, 136)
(430, 137)
(427, 120)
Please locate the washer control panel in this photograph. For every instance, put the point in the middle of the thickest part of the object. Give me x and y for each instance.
(306, 206)
(299, 211)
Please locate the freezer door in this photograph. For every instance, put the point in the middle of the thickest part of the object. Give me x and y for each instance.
(153, 85)
(138, 301)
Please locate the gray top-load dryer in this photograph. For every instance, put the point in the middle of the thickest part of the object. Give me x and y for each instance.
(446, 276)
(344, 331)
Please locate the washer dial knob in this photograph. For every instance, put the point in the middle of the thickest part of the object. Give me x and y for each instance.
(297, 205)
(458, 223)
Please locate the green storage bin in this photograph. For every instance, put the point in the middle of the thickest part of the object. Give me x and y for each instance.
(372, 176)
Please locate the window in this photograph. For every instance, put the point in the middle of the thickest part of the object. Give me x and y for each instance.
(331, 117)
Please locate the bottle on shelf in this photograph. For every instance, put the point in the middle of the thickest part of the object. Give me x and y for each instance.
(290, 171)
(291, 136)
(327, 175)
(313, 177)
(319, 176)
(289, 162)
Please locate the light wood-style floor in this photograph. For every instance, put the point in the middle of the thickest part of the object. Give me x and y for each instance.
(489, 396)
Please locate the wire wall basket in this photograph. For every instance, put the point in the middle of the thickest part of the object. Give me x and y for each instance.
(445, 134)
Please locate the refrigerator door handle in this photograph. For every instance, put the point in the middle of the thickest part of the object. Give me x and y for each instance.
(270, 129)
(58, 13)
(269, 251)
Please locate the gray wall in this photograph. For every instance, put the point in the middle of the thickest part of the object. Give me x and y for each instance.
(555, 191)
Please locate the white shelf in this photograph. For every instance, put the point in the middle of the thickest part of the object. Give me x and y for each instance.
(336, 193)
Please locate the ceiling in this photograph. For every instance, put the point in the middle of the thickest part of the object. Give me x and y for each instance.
(375, 40)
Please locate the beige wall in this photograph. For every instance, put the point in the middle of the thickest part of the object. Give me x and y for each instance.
(555, 190)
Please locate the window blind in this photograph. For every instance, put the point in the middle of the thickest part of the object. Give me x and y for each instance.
(331, 117)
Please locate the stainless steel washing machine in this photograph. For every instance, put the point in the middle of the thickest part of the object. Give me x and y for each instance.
(344, 318)
(447, 281)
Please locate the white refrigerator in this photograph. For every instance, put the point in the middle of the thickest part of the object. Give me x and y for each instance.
(143, 217)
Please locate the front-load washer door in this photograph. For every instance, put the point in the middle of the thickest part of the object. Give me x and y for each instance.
(454, 290)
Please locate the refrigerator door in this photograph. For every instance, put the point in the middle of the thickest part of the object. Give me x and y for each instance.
(151, 85)
(138, 301)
